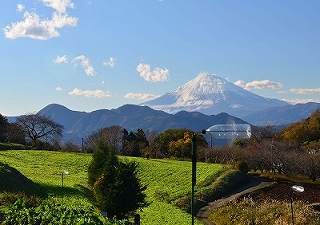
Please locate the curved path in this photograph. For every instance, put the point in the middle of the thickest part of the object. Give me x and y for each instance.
(253, 184)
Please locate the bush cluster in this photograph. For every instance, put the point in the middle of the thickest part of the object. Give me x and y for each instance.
(269, 156)
(12, 146)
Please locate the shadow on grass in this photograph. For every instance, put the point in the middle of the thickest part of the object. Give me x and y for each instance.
(11, 180)
(60, 192)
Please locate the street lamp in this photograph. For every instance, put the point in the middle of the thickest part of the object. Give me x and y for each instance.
(229, 131)
(64, 172)
(298, 189)
(223, 131)
(193, 176)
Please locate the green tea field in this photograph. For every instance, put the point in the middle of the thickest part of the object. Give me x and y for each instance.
(166, 180)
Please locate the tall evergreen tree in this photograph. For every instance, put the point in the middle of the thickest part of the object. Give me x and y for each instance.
(3, 128)
(116, 187)
(103, 159)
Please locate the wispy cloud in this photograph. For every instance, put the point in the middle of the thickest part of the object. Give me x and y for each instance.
(300, 100)
(110, 63)
(303, 91)
(59, 5)
(259, 84)
(155, 75)
(32, 26)
(85, 63)
(141, 96)
(61, 59)
(90, 93)
(58, 89)
(20, 8)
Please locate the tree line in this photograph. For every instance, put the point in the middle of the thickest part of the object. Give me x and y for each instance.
(291, 150)
(172, 143)
(40, 132)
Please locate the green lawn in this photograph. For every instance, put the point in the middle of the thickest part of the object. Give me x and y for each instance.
(167, 180)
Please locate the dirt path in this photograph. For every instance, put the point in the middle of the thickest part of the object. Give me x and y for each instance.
(253, 184)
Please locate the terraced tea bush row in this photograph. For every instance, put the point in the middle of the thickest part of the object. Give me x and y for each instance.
(49, 212)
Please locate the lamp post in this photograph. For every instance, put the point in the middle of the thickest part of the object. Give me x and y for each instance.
(298, 189)
(228, 131)
(194, 172)
(64, 172)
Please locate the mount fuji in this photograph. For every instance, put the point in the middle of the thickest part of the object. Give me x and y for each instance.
(210, 95)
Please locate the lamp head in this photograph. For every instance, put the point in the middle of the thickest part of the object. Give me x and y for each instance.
(297, 188)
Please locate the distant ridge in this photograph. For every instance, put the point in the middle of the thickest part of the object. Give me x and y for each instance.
(211, 94)
(131, 117)
(282, 115)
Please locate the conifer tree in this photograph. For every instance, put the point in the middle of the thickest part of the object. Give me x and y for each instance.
(115, 184)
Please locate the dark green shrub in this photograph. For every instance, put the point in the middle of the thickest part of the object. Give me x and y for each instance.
(162, 196)
(242, 166)
(8, 198)
(120, 192)
(12, 146)
(116, 187)
(103, 159)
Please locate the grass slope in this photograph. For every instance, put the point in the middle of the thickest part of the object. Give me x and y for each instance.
(167, 180)
(11, 180)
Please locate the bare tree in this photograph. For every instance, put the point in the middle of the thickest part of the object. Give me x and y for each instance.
(112, 136)
(37, 126)
(310, 165)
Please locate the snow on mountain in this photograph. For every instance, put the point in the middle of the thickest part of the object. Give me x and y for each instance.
(211, 94)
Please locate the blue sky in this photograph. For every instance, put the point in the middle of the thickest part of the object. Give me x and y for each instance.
(94, 54)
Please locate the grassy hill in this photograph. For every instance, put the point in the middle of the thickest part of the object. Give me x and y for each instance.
(167, 180)
(11, 180)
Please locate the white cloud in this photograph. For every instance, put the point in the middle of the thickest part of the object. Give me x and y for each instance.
(59, 5)
(58, 89)
(110, 63)
(299, 100)
(156, 75)
(20, 8)
(85, 63)
(90, 94)
(259, 84)
(240, 83)
(61, 59)
(141, 96)
(42, 29)
(303, 91)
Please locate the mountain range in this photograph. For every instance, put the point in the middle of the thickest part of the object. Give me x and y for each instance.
(200, 103)
(79, 125)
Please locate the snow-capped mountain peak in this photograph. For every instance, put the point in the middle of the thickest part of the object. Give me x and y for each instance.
(211, 94)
